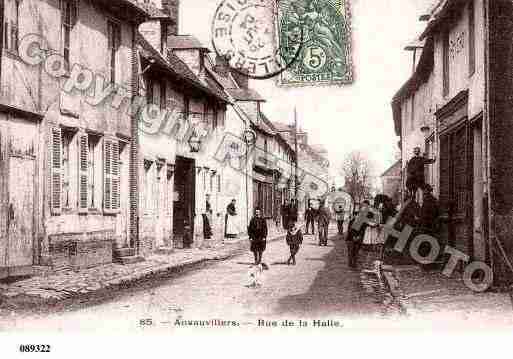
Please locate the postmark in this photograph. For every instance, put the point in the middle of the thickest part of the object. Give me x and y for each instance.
(244, 32)
(325, 54)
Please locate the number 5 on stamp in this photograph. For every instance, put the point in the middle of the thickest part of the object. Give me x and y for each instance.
(325, 55)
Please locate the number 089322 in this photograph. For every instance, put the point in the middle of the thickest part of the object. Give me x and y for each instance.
(31, 348)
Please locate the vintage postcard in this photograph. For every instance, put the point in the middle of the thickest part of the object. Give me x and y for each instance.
(295, 168)
(317, 33)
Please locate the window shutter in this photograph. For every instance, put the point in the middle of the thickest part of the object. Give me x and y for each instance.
(115, 200)
(56, 171)
(111, 171)
(83, 173)
(107, 176)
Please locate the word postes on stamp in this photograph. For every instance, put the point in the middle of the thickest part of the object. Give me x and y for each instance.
(244, 32)
(325, 53)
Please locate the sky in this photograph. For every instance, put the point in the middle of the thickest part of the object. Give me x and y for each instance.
(349, 117)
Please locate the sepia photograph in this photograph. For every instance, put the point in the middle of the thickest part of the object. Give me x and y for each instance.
(284, 168)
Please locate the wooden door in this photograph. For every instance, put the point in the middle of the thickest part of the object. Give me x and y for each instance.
(21, 216)
(461, 191)
(184, 205)
(17, 170)
(478, 189)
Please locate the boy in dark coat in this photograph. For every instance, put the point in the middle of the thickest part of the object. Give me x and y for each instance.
(294, 240)
(257, 232)
(354, 240)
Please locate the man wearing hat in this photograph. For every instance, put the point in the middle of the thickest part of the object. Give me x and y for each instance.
(415, 172)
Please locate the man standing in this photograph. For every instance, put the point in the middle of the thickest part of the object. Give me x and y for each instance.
(323, 222)
(415, 172)
(293, 213)
(285, 209)
(257, 232)
(339, 215)
(310, 219)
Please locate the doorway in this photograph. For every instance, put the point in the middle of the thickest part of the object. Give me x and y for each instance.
(478, 184)
(456, 184)
(184, 202)
(17, 198)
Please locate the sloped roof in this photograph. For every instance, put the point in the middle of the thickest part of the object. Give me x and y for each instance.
(397, 166)
(133, 9)
(420, 76)
(226, 81)
(443, 10)
(242, 94)
(185, 42)
(177, 67)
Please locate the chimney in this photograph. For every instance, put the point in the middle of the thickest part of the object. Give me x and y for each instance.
(172, 8)
(241, 79)
(222, 67)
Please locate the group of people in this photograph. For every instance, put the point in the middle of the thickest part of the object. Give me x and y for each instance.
(422, 219)
(323, 217)
(231, 222)
(257, 230)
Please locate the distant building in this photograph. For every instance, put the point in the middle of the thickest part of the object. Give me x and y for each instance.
(391, 181)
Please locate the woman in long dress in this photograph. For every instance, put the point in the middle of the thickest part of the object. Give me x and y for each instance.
(207, 219)
(231, 225)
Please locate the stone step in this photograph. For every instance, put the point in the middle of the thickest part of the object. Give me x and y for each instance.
(128, 260)
(124, 252)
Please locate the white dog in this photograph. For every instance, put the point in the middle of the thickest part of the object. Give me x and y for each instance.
(256, 276)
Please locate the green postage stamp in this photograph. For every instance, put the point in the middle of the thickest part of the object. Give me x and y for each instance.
(322, 30)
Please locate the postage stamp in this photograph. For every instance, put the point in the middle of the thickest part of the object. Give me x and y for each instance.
(244, 32)
(325, 53)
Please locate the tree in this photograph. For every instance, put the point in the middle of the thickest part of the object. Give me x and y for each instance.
(357, 171)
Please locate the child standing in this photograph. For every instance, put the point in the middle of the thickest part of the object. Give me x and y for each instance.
(294, 241)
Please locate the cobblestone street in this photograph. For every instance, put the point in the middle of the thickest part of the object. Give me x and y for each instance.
(319, 286)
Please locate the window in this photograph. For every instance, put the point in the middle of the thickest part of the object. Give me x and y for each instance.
(445, 62)
(215, 117)
(211, 186)
(148, 187)
(114, 41)
(218, 183)
(149, 92)
(186, 107)
(69, 15)
(471, 39)
(163, 95)
(15, 23)
(168, 201)
(413, 112)
(68, 160)
(11, 23)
